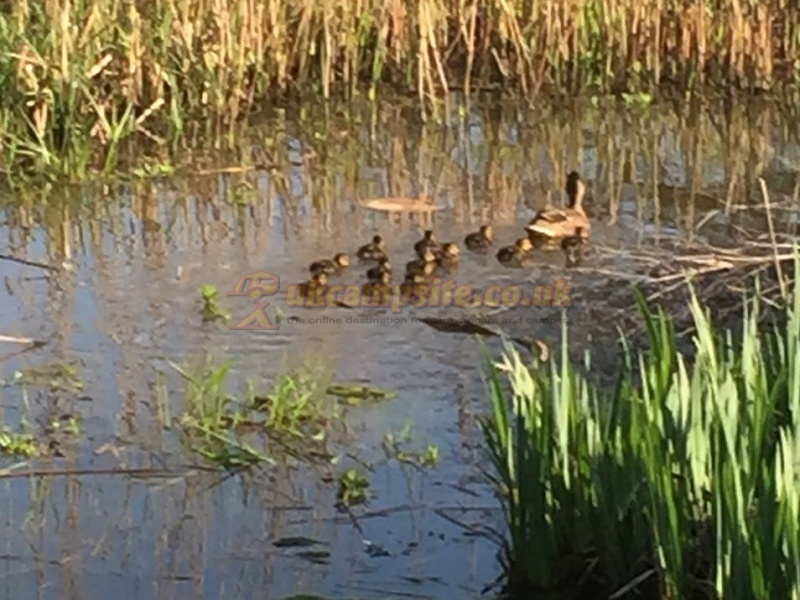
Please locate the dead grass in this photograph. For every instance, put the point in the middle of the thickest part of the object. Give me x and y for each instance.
(80, 75)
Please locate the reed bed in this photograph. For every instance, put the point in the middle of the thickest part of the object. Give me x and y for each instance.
(680, 482)
(79, 77)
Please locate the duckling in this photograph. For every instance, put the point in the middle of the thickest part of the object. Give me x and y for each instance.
(428, 241)
(414, 286)
(574, 247)
(424, 265)
(331, 267)
(376, 273)
(379, 288)
(314, 286)
(516, 255)
(552, 224)
(372, 251)
(447, 258)
(480, 240)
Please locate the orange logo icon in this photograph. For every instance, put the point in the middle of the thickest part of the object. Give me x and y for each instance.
(256, 285)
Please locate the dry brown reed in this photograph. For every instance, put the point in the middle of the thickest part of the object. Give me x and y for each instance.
(99, 71)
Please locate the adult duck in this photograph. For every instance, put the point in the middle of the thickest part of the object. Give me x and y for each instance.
(553, 224)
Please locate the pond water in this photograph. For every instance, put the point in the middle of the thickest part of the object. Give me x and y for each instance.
(126, 302)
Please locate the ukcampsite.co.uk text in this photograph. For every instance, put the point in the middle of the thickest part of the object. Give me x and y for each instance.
(437, 294)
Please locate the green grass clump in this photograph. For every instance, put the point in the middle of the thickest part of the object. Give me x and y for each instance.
(17, 444)
(210, 308)
(682, 482)
(353, 488)
(235, 431)
(81, 80)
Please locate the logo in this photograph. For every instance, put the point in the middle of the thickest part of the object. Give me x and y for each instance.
(433, 294)
(256, 285)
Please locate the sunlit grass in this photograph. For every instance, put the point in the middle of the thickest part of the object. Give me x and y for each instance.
(235, 430)
(682, 482)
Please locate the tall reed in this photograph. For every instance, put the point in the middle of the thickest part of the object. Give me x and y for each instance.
(77, 77)
(682, 482)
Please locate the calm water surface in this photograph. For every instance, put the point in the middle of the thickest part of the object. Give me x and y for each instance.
(128, 303)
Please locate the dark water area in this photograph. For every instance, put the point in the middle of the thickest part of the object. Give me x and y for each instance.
(133, 256)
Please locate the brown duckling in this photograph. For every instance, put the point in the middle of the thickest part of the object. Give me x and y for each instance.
(447, 258)
(376, 273)
(516, 255)
(379, 288)
(376, 250)
(574, 247)
(428, 241)
(414, 286)
(424, 265)
(314, 286)
(331, 267)
(553, 224)
(480, 240)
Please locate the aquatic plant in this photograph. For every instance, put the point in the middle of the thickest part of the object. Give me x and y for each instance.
(17, 444)
(680, 482)
(80, 80)
(291, 420)
(210, 308)
(353, 486)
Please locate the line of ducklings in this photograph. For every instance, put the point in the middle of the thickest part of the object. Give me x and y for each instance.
(568, 227)
(432, 258)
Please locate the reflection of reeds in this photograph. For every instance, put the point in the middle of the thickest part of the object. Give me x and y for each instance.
(81, 77)
(677, 166)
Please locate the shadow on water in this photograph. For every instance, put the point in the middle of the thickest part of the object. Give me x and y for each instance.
(138, 252)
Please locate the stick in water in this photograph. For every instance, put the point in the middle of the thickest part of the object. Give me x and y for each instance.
(778, 270)
(11, 339)
(29, 263)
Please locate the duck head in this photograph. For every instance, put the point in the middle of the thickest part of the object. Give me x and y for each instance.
(450, 250)
(576, 189)
(524, 245)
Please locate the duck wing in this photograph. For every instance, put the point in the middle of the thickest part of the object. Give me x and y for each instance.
(550, 215)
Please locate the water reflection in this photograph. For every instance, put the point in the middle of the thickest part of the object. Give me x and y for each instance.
(125, 301)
